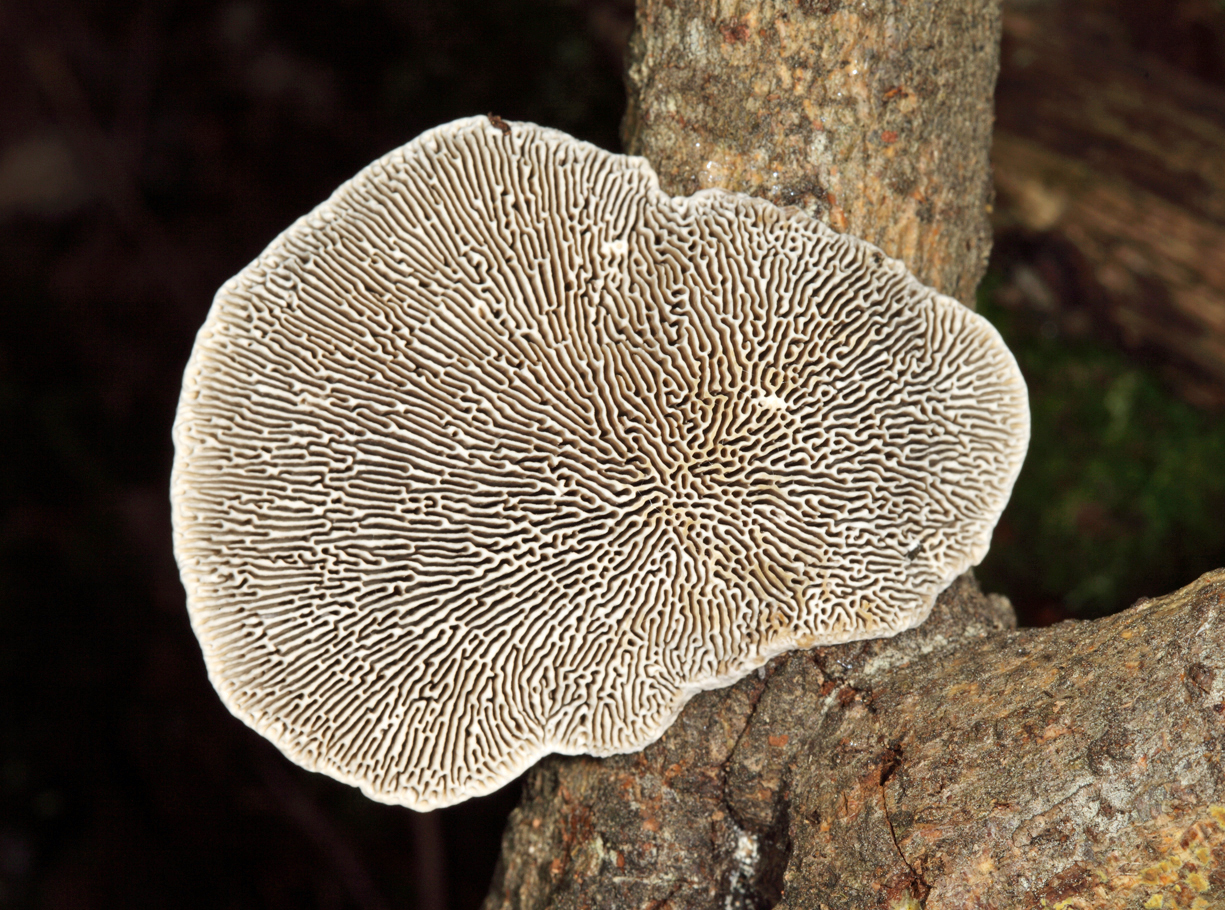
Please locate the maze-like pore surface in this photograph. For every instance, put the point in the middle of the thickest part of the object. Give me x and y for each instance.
(503, 451)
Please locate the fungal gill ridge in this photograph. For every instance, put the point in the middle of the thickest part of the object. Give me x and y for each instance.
(503, 451)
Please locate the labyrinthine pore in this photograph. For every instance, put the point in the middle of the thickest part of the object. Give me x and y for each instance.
(503, 451)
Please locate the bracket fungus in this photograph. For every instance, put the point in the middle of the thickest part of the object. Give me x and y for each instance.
(503, 451)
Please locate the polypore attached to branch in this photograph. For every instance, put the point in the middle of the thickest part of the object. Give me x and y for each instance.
(502, 451)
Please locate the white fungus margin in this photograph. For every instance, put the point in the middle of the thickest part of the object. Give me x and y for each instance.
(503, 451)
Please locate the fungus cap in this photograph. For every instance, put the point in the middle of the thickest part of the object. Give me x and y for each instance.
(503, 451)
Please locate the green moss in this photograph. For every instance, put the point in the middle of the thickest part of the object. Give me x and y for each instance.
(1123, 492)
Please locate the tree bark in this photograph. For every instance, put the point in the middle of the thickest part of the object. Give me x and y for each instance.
(964, 763)
(874, 116)
(1114, 164)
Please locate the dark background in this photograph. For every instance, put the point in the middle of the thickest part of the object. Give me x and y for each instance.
(150, 150)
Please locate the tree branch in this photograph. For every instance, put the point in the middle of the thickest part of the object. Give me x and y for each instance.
(963, 763)
(874, 117)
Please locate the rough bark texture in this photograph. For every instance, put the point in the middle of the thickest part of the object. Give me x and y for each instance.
(874, 116)
(963, 764)
(1116, 162)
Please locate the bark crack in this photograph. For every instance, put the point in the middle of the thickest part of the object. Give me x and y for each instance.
(889, 765)
(754, 701)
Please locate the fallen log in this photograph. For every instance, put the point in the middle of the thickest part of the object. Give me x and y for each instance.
(1114, 164)
(962, 764)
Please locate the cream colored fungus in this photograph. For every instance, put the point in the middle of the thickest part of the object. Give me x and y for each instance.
(502, 451)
